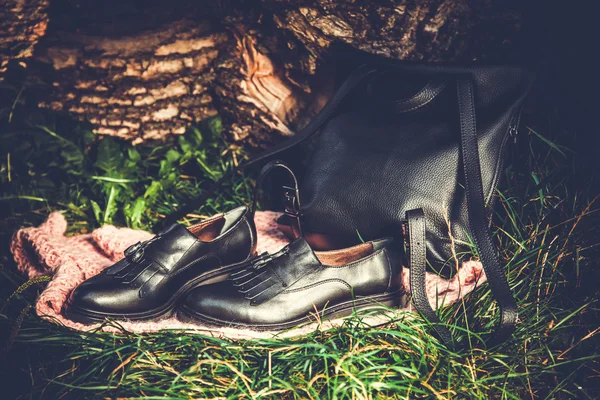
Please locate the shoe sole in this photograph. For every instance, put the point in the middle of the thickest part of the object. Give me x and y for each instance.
(88, 317)
(344, 309)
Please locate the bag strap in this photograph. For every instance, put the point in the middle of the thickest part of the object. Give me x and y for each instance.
(291, 195)
(417, 244)
(478, 226)
(478, 220)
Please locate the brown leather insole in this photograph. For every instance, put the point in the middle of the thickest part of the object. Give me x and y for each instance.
(208, 230)
(339, 258)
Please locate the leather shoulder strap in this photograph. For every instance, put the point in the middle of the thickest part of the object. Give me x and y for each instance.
(478, 220)
(417, 245)
(478, 226)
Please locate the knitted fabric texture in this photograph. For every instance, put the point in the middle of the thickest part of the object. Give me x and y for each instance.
(70, 260)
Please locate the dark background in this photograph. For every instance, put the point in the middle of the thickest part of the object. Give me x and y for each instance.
(560, 40)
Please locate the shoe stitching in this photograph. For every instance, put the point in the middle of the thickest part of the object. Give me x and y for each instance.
(203, 258)
(252, 239)
(140, 292)
(389, 265)
(278, 277)
(317, 284)
(181, 258)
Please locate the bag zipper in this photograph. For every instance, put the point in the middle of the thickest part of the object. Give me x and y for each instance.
(513, 131)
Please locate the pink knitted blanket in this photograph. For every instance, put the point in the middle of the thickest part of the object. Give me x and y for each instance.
(70, 260)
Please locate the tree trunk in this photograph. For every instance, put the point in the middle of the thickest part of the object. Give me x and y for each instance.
(150, 73)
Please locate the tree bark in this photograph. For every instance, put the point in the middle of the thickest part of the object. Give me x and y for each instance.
(259, 101)
(148, 73)
(139, 87)
(424, 30)
(22, 23)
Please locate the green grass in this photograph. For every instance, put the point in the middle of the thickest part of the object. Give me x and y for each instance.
(546, 230)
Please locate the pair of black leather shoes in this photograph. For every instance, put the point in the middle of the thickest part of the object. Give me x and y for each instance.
(147, 283)
(266, 292)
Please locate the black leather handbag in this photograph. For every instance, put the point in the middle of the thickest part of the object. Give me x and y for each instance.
(413, 151)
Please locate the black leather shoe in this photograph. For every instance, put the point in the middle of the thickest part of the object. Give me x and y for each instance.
(154, 274)
(282, 290)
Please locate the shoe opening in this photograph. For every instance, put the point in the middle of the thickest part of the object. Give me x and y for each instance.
(339, 258)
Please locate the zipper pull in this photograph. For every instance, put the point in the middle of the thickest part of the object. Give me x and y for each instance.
(513, 131)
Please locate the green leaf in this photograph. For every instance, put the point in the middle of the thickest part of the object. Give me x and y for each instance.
(97, 211)
(111, 204)
(540, 190)
(152, 190)
(165, 168)
(88, 137)
(133, 154)
(113, 180)
(56, 135)
(195, 137)
(172, 156)
(360, 236)
(172, 177)
(185, 158)
(134, 212)
(72, 156)
(109, 155)
(214, 175)
(185, 145)
(216, 126)
(548, 142)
